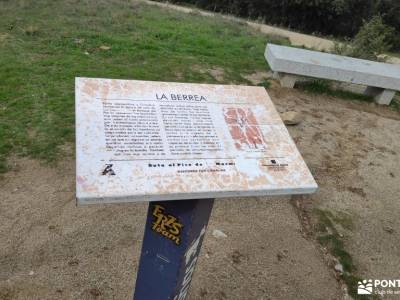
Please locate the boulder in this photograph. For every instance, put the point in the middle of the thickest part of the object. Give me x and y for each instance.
(291, 118)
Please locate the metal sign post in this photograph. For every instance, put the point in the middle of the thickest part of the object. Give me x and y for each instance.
(172, 240)
(162, 141)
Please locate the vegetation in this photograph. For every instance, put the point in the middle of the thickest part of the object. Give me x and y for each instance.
(321, 86)
(329, 237)
(341, 18)
(324, 87)
(45, 44)
(373, 39)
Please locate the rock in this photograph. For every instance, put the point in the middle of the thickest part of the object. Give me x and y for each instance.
(95, 292)
(383, 57)
(237, 257)
(281, 255)
(291, 118)
(31, 273)
(339, 268)
(219, 234)
(388, 229)
(73, 262)
(105, 48)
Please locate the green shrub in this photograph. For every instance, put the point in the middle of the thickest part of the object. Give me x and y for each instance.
(374, 39)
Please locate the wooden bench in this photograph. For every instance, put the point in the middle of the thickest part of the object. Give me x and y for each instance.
(288, 63)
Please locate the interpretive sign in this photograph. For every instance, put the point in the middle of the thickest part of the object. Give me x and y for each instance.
(152, 141)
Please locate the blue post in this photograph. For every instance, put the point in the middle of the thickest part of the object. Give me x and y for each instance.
(172, 240)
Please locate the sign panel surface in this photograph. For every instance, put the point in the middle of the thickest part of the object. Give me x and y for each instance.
(151, 141)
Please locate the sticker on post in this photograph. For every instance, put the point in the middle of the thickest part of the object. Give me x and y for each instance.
(166, 225)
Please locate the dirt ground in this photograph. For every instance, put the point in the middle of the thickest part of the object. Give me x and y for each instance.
(51, 249)
(353, 150)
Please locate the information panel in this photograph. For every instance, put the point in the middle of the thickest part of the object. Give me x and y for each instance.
(151, 141)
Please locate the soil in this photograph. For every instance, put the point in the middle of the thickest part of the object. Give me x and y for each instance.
(258, 77)
(353, 150)
(51, 249)
(216, 72)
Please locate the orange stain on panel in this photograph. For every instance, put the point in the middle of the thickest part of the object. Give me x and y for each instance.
(89, 87)
(244, 128)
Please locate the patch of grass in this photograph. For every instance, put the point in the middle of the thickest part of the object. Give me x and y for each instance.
(323, 87)
(55, 41)
(395, 104)
(329, 237)
(265, 83)
(343, 219)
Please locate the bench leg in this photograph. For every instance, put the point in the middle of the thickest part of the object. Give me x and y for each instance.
(286, 80)
(382, 96)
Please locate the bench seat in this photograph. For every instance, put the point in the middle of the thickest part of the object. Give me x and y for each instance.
(382, 79)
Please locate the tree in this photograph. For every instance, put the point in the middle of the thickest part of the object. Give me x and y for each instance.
(330, 17)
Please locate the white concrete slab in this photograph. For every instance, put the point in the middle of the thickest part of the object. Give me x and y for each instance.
(148, 141)
(287, 80)
(334, 67)
(382, 96)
